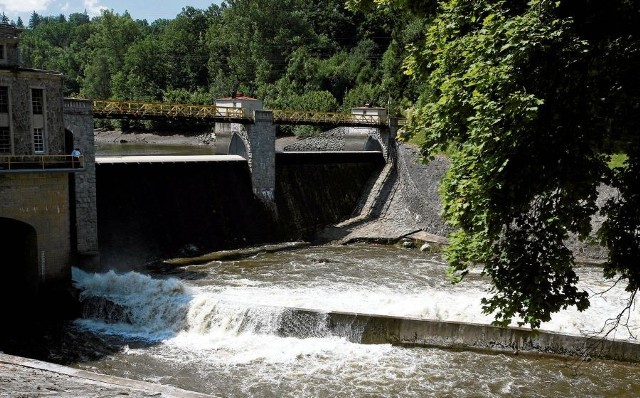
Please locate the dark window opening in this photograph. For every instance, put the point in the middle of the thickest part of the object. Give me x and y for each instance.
(5, 140)
(4, 99)
(37, 101)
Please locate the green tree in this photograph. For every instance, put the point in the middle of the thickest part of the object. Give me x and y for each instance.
(34, 20)
(293, 53)
(143, 75)
(531, 95)
(346, 69)
(109, 42)
(59, 45)
(97, 81)
(184, 47)
(78, 19)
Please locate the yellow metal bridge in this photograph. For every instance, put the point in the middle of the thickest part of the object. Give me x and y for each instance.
(163, 111)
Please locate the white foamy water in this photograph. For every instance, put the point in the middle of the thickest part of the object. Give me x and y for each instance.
(225, 327)
(408, 286)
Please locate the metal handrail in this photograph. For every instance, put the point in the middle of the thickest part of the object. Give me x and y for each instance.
(298, 117)
(139, 109)
(109, 108)
(40, 162)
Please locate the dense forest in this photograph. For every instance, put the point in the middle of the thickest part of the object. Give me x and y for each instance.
(301, 54)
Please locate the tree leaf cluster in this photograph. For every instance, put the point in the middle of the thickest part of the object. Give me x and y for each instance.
(531, 98)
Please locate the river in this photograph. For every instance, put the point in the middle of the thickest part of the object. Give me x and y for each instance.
(142, 149)
(226, 328)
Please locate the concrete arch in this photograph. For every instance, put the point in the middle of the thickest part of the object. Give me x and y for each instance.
(19, 249)
(237, 146)
(373, 144)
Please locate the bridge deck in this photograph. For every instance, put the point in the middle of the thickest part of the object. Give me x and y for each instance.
(285, 157)
(168, 159)
(138, 110)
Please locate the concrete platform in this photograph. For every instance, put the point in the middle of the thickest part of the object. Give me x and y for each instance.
(168, 159)
(23, 377)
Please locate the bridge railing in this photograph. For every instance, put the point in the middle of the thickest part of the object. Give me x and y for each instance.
(40, 162)
(331, 118)
(77, 105)
(137, 109)
(145, 110)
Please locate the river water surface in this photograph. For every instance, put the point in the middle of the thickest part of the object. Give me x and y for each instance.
(142, 149)
(226, 328)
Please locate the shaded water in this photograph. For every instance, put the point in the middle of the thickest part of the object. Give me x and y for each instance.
(134, 149)
(224, 328)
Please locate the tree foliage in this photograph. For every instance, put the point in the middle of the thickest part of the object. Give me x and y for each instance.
(301, 54)
(533, 97)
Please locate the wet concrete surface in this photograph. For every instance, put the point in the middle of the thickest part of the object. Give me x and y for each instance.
(27, 378)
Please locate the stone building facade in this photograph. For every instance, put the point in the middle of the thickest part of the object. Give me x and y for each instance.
(78, 124)
(38, 228)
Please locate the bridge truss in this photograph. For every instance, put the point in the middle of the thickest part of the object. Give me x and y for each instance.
(110, 109)
(327, 119)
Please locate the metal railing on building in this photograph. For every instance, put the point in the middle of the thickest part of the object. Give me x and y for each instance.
(77, 106)
(35, 163)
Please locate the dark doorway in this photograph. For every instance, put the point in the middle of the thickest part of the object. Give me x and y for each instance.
(19, 251)
(372, 145)
(237, 147)
(68, 142)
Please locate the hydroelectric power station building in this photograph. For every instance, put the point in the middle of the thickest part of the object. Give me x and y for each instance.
(45, 205)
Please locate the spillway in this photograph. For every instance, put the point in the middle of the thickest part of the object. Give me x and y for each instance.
(228, 329)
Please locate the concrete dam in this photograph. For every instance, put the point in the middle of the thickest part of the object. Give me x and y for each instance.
(153, 210)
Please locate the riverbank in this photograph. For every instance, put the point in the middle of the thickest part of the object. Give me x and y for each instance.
(102, 136)
(23, 377)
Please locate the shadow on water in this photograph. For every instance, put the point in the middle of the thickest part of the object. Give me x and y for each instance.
(58, 341)
(58, 331)
(133, 149)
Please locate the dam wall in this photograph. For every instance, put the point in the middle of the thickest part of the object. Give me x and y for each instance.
(152, 211)
(314, 190)
(411, 332)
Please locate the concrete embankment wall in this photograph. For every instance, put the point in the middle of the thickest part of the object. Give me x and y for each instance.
(314, 190)
(152, 211)
(377, 329)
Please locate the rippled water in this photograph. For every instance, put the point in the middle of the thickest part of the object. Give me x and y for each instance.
(218, 328)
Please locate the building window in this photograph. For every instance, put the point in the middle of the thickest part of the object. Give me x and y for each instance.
(3, 55)
(38, 140)
(4, 99)
(5, 140)
(37, 101)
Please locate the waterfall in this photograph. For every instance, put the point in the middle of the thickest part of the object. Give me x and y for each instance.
(136, 305)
